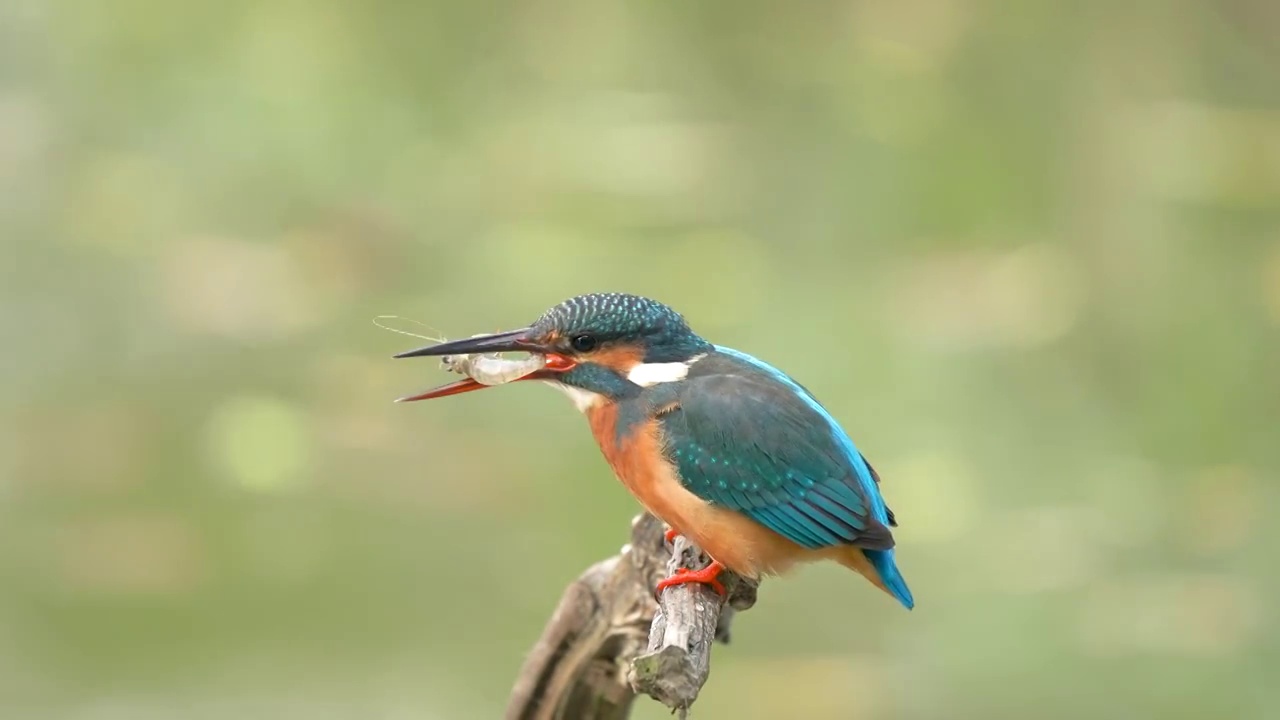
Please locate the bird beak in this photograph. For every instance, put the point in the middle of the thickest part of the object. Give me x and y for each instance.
(453, 388)
(512, 341)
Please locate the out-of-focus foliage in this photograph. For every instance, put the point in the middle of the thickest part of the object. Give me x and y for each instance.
(1028, 253)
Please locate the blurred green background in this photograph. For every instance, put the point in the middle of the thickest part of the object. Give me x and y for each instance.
(1028, 253)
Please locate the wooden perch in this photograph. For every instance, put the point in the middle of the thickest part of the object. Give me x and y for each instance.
(609, 640)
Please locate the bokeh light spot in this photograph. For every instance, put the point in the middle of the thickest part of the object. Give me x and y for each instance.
(1026, 297)
(260, 443)
(234, 288)
(1175, 614)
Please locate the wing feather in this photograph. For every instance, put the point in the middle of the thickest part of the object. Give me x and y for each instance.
(749, 443)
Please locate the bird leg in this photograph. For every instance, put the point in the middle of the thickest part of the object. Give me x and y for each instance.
(670, 534)
(709, 575)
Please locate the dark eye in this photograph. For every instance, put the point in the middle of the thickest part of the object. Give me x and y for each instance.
(583, 343)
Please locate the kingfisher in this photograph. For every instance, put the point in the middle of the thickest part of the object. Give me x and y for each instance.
(722, 447)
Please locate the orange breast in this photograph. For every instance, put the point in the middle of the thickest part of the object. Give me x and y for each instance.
(736, 541)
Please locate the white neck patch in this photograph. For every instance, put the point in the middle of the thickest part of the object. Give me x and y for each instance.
(584, 400)
(648, 374)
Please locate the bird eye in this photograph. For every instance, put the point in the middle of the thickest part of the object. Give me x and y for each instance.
(583, 343)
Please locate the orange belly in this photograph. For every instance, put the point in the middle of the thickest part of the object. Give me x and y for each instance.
(737, 542)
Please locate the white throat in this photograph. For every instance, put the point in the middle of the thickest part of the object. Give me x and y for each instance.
(584, 400)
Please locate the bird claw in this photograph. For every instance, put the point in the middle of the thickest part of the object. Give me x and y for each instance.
(709, 575)
(670, 534)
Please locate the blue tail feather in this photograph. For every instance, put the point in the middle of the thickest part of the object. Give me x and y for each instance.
(882, 561)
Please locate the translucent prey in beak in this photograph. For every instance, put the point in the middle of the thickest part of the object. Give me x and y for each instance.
(478, 359)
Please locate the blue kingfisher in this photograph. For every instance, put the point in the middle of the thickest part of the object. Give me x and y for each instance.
(724, 448)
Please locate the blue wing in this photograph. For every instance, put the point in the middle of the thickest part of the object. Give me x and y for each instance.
(746, 437)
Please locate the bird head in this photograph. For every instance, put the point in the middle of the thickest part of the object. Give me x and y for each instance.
(600, 346)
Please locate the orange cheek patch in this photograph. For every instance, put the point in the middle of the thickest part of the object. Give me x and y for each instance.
(618, 358)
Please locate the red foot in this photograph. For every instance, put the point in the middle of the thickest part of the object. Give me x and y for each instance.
(708, 575)
(670, 535)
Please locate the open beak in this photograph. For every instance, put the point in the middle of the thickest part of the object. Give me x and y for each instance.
(512, 341)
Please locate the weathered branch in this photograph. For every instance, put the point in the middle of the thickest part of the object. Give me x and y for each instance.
(609, 640)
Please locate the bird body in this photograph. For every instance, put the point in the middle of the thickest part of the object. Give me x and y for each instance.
(710, 454)
(724, 448)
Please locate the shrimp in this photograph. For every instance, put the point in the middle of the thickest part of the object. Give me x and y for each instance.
(492, 368)
(485, 368)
